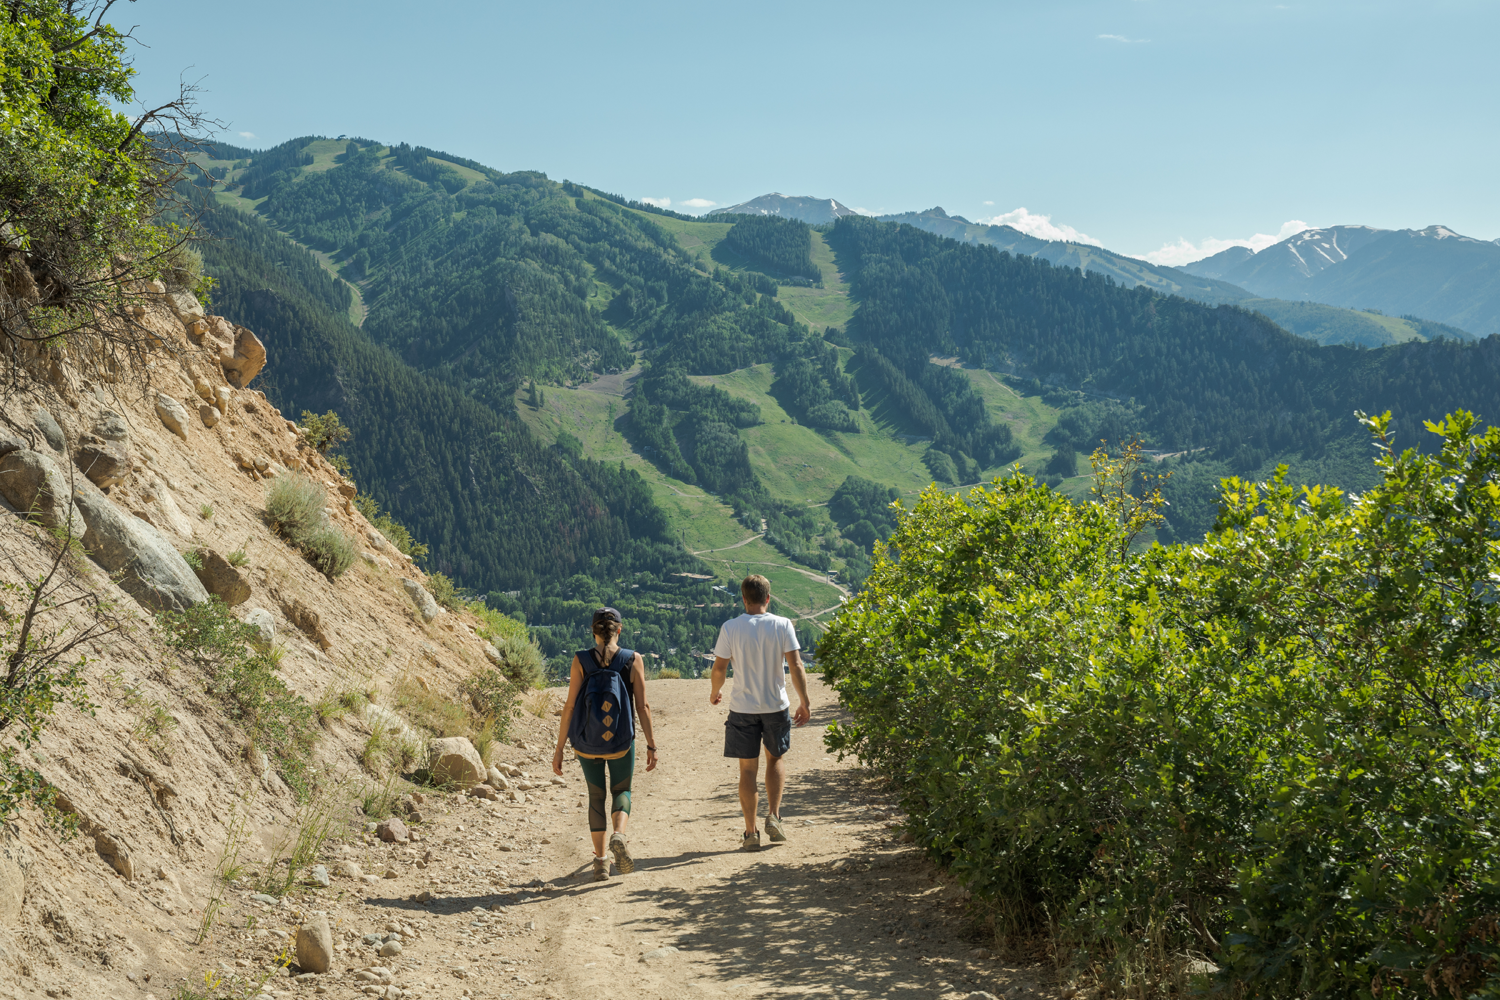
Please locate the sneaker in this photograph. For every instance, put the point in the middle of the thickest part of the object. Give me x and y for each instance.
(774, 829)
(601, 869)
(750, 841)
(623, 860)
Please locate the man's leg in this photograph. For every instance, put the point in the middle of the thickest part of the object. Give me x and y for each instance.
(749, 794)
(775, 783)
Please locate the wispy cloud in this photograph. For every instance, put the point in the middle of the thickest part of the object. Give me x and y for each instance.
(1040, 226)
(989, 203)
(658, 202)
(699, 203)
(248, 135)
(1183, 252)
(1122, 38)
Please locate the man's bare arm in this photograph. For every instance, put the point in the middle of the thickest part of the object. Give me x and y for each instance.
(799, 682)
(719, 673)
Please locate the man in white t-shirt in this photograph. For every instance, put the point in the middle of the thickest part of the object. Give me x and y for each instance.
(758, 644)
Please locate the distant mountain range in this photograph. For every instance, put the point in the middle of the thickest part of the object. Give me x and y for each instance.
(1451, 282)
(1434, 273)
(815, 211)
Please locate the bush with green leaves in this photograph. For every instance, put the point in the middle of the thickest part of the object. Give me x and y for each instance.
(295, 507)
(246, 682)
(1277, 748)
(521, 661)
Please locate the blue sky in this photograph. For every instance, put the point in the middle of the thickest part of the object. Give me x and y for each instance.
(1161, 128)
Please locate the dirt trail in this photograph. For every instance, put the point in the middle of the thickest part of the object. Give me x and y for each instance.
(842, 909)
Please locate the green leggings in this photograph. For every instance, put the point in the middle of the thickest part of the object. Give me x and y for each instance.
(620, 771)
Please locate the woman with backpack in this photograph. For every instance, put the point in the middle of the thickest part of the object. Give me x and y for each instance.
(606, 689)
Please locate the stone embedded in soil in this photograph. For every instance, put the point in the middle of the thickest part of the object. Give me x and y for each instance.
(47, 424)
(455, 760)
(315, 945)
(208, 414)
(265, 627)
(173, 414)
(221, 579)
(390, 949)
(150, 568)
(105, 463)
(658, 955)
(393, 831)
(319, 876)
(349, 869)
(33, 484)
(495, 779)
(424, 601)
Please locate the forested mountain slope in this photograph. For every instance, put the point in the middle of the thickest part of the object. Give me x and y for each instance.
(1219, 382)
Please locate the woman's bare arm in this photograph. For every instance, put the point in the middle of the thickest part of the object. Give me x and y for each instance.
(575, 681)
(643, 707)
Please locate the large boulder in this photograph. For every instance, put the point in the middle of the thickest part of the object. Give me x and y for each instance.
(247, 359)
(34, 485)
(455, 761)
(315, 945)
(220, 578)
(424, 601)
(149, 568)
(105, 463)
(173, 414)
(10, 442)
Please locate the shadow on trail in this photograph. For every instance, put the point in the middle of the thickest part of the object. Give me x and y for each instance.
(877, 923)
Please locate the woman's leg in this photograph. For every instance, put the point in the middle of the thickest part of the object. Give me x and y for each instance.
(620, 773)
(621, 770)
(593, 776)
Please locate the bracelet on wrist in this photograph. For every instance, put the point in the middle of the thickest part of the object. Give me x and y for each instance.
(651, 748)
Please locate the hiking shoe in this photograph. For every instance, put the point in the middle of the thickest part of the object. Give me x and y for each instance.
(750, 841)
(774, 829)
(623, 860)
(601, 869)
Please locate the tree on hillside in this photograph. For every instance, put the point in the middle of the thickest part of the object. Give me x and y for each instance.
(80, 184)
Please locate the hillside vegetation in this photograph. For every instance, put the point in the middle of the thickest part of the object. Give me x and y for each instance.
(1273, 748)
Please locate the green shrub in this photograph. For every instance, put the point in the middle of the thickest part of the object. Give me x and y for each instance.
(521, 661)
(295, 507)
(1276, 748)
(493, 698)
(246, 683)
(444, 592)
(324, 432)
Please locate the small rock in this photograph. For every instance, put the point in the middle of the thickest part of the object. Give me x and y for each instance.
(47, 424)
(424, 896)
(315, 945)
(390, 949)
(658, 955)
(114, 852)
(516, 795)
(10, 442)
(203, 389)
(393, 831)
(424, 601)
(510, 769)
(265, 626)
(208, 414)
(492, 654)
(484, 792)
(221, 399)
(260, 897)
(391, 873)
(219, 577)
(505, 845)
(981, 995)
(319, 876)
(111, 427)
(497, 780)
(454, 760)
(173, 414)
(559, 781)
(349, 869)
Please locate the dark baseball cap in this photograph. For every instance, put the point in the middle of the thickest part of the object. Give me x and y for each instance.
(607, 615)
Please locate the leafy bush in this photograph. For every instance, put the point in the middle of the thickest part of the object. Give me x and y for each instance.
(522, 662)
(493, 698)
(444, 592)
(295, 507)
(246, 683)
(1276, 748)
(324, 432)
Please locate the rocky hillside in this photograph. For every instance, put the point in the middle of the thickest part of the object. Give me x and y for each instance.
(183, 767)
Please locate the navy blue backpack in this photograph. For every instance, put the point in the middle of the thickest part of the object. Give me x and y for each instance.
(603, 722)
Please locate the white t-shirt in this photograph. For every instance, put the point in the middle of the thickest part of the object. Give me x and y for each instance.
(756, 645)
